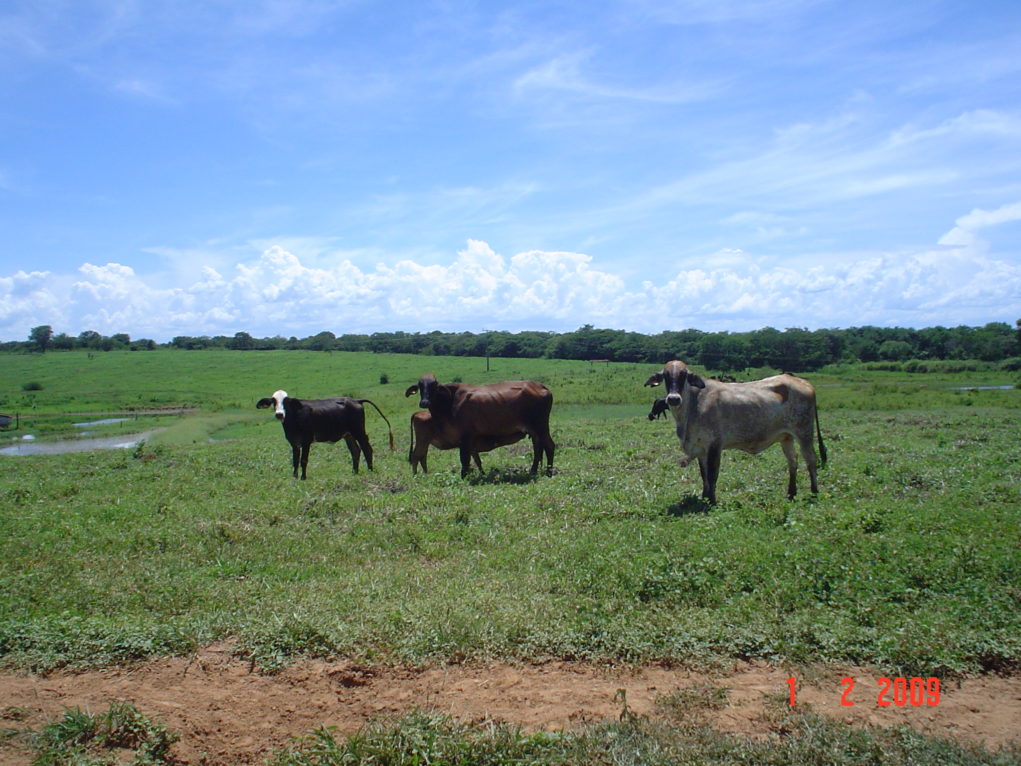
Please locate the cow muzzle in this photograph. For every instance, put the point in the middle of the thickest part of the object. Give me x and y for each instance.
(279, 415)
(673, 400)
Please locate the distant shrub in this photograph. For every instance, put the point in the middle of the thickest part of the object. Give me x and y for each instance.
(32, 385)
(884, 367)
(1013, 364)
(937, 365)
(384, 379)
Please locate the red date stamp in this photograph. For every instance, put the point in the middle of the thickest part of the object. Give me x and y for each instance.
(898, 691)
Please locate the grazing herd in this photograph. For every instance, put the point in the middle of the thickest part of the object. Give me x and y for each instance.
(710, 416)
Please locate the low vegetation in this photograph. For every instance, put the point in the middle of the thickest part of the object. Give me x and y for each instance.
(681, 737)
(677, 733)
(996, 343)
(120, 735)
(906, 560)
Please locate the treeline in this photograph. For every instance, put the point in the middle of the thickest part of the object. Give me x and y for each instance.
(42, 338)
(791, 349)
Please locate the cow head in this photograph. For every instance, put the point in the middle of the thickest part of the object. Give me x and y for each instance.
(674, 375)
(428, 390)
(276, 402)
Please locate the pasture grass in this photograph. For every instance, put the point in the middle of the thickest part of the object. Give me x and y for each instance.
(908, 559)
(679, 732)
(98, 739)
(679, 738)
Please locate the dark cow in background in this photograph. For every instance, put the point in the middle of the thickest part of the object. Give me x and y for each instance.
(323, 420)
(424, 434)
(659, 409)
(712, 416)
(480, 418)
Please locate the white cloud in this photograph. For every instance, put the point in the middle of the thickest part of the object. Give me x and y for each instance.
(275, 291)
(979, 219)
(30, 294)
(963, 234)
(563, 75)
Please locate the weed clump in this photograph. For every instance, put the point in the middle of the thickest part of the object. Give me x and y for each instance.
(81, 737)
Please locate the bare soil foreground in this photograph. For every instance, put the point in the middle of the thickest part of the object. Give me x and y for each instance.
(228, 714)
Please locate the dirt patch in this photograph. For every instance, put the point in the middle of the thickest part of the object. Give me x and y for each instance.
(228, 714)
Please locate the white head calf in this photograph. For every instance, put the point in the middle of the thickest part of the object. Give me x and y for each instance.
(276, 402)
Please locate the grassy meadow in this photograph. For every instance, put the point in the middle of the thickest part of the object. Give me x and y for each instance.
(909, 558)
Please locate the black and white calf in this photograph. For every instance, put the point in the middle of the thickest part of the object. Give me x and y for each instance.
(323, 420)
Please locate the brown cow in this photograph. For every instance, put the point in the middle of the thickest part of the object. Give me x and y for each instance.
(712, 416)
(476, 418)
(424, 435)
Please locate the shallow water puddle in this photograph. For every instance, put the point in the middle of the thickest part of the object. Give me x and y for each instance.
(103, 422)
(31, 447)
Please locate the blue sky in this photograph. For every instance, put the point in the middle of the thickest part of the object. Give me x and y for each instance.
(284, 167)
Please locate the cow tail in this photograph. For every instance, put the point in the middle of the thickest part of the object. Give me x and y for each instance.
(818, 433)
(369, 401)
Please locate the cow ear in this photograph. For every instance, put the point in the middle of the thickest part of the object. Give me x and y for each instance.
(265, 403)
(654, 379)
(695, 381)
(411, 390)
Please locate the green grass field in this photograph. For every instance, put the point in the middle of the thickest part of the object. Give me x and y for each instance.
(908, 559)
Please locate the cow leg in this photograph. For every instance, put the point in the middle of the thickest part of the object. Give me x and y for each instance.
(363, 440)
(466, 457)
(703, 470)
(417, 454)
(416, 461)
(791, 453)
(542, 443)
(355, 450)
(304, 458)
(478, 462)
(549, 447)
(536, 453)
(810, 460)
(709, 466)
(295, 457)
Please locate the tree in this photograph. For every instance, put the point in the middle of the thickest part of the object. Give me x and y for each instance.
(41, 337)
(894, 350)
(89, 339)
(324, 341)
(241, 341)
(62, 341)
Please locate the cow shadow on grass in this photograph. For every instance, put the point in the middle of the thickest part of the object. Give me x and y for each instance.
(502, 476)
(688, 506)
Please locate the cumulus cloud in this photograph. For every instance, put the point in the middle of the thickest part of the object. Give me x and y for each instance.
(29, 294)
(964, 233)
(273, 291)
(949, 287)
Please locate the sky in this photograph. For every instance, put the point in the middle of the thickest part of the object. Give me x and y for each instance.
(285, 167)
